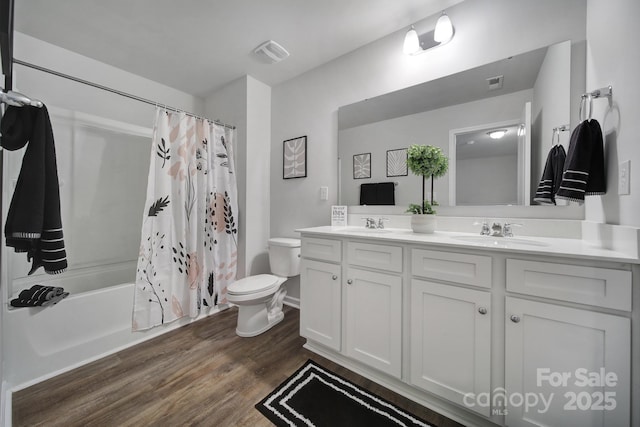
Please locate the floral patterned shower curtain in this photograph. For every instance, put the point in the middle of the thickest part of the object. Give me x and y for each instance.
(188, 249)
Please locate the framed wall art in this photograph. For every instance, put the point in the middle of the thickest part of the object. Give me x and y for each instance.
(294, 158)
(397, 162)
(362, 166)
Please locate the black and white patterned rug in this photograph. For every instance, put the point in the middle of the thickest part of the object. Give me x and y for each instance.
(314, 396)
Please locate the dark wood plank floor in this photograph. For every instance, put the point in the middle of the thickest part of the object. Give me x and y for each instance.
(200, 374)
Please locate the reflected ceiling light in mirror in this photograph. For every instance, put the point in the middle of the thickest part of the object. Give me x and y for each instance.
(415, 43)
(497, 133)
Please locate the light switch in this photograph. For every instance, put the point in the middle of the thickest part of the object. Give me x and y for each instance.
(624, 178)
(324, 193)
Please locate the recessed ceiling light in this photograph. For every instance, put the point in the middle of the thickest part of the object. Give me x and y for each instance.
(497, 133)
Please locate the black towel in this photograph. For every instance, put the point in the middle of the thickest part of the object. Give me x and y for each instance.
(551, 177)
(584, 167)
(39, 295)
(34, 224)
(382, 193)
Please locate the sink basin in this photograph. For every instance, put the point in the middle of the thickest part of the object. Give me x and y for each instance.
(500, 242)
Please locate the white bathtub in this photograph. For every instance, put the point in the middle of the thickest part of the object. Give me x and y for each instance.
(42, 342)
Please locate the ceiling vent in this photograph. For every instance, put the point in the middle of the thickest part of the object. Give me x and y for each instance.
(495, 82)
(272, 51)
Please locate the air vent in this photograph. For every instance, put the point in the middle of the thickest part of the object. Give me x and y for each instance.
(495, 82)
(272, 51)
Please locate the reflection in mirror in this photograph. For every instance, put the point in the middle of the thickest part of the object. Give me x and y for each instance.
(429, 112)
(493, 149)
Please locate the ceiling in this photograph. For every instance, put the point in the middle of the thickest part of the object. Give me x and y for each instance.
(200, 45)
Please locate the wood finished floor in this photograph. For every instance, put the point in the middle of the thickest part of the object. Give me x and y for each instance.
(201, 374)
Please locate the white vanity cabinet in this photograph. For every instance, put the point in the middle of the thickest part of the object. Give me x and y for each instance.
(450, 326)
(321, 295)
(373, 306)
(568, 361)
(355, 301)
(486, 336)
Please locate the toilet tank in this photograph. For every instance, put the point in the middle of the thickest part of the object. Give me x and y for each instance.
(284, 256)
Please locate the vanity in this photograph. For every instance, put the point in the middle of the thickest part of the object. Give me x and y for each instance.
(517, 331)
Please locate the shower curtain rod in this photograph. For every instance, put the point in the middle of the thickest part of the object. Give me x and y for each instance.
(117, 92)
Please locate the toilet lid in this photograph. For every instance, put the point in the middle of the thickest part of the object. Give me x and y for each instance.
(252, 284)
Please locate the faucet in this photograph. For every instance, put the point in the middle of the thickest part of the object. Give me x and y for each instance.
(372, 224)
(381, 222)
(507, 230)
(485, 229)
(497, 230)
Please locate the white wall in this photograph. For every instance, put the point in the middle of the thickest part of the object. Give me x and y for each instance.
(551, 106)
(74, 96)
(429, 127)
(613, 59)
(308, 104)
(473, 182)
(246, 103)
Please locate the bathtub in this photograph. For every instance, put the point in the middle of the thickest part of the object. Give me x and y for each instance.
(40, 343)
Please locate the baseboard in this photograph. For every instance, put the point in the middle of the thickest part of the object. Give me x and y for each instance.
(292, 302)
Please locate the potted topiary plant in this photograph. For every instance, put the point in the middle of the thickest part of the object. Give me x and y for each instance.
(425, 161)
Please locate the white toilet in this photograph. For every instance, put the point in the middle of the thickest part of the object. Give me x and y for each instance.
(259, 298)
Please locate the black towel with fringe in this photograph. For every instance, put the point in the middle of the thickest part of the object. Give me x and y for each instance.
(584, 167)
(34, 224)
(551, 177)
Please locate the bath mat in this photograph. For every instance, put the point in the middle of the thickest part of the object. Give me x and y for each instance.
(314, 396)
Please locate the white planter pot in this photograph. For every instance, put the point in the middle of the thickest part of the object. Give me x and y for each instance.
(422, 223)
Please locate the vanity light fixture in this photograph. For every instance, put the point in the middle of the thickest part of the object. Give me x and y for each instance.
(497, 133)
(415, 44)
(444, 29)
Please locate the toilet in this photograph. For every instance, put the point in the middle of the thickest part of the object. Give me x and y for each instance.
(259, 298)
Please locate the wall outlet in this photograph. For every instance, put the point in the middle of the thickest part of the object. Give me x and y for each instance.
(624, 178)
(324, 193)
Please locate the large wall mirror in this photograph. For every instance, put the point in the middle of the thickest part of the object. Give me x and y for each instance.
(525, 95)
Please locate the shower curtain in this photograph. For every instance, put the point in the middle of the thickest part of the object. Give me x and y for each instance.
(188, 250)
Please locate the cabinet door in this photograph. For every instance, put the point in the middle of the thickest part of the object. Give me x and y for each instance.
(568, 357)
(320, 308)
(374, 319)
(451, 342)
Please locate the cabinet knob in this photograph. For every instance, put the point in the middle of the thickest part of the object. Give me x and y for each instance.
(349, 282)
(482, 310)
(514, 318)
(334, 277)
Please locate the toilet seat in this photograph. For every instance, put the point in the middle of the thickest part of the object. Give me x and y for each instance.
(261, 283)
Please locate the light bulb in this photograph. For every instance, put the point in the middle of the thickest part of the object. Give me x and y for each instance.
(497, 134)
(444, 29)
(411, 42)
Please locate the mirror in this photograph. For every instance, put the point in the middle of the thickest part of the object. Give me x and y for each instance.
(439, 112)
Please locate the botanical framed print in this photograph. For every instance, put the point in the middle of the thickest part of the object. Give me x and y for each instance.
(397, 162)
(294, 158)
(362, 166)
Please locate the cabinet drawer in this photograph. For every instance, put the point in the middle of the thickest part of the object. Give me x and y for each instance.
(381, 257)
(322, 249)
(602, 287)
(453, 267)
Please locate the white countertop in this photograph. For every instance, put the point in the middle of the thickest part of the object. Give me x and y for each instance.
(573, 248)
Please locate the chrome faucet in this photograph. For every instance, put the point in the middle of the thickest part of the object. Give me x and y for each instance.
(496, 230)
(485, 229)
(507, 229)
(371, 223)
(381, 222)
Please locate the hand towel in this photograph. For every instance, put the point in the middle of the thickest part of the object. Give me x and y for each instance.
(34, 224)
(584, 167)
(551, 177)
